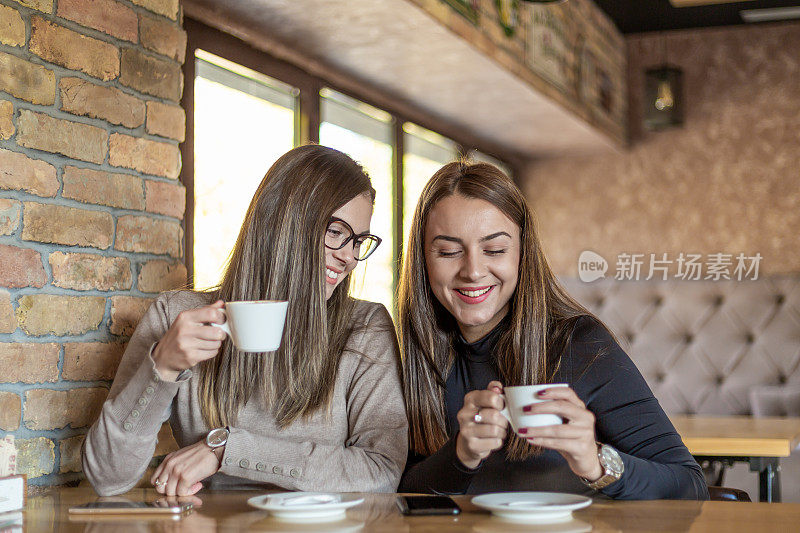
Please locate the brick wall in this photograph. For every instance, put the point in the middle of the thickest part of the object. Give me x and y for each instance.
(90, 207)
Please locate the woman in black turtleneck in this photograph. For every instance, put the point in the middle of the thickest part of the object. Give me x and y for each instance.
(479, 308)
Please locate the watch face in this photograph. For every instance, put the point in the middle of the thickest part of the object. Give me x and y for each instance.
(611, 459)
(217, 437)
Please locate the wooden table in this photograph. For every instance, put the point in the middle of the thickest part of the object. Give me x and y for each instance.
(228, 511)
(761, 442)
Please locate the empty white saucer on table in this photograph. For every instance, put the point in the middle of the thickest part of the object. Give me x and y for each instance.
(306, 506)
(532, 507)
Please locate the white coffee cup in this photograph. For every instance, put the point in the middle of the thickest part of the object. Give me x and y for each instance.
(255, 326)
(518, 397)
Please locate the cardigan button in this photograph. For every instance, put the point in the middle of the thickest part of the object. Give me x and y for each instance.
(294, 472)
(244, 463)
(277, 470)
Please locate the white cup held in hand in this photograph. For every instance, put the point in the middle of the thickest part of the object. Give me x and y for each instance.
(255, 326)
(518, 397)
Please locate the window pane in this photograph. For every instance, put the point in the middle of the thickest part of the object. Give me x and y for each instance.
(244, 121)
(365, 133)
(424, 153)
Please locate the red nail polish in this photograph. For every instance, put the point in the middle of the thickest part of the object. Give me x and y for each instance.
(542, 392)
(527, 408)
(523, 430)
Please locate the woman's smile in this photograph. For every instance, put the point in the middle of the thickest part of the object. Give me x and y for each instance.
(474, 295)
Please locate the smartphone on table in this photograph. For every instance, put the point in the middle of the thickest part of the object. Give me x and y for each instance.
(427, 505)
(129, 507)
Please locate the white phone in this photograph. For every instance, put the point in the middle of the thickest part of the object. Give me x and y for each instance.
(111, 507)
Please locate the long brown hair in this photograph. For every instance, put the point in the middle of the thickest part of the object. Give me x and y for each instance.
(541, 315)
(280, 255)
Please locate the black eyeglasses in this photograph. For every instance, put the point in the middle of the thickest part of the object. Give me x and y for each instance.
(339, 233)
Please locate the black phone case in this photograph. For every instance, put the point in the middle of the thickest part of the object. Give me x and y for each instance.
(428, 511)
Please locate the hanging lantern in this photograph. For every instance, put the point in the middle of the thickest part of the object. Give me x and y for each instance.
(663, 98)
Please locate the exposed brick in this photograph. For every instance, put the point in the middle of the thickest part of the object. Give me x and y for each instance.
(166, 120)
(168, 8)
(126, 312)
(101, 187)
(148, 235)
(35, 457)
(28, 362)
(66, 225)
(8, 322)
(85, 272)
(12, 28)
(53, 409)
(91, 361)
(6, 119)
(70, 452)
(27, 80)
(165, 198)
(45, 6)
(9, 216)
(50, 314)
(149, 157)
(157, 276)
(72, 139)
(150, 75)
(10, 411)
(20, 172)
(81, 97)
(163, 37)
(73, 50)
(107, 16)
(21, 267)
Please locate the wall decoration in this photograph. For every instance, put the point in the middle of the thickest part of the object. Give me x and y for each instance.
(508, 15)
(571, 46)
(548, 48)
(466, 8)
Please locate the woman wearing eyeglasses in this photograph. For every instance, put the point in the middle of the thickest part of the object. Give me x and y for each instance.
(323, 413)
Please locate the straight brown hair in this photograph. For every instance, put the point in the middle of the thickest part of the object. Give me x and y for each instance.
(541, 315)
(280, 255)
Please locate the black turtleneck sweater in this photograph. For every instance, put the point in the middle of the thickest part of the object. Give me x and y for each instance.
(628, 417)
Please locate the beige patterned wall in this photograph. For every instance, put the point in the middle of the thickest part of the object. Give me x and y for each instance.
(727, 181)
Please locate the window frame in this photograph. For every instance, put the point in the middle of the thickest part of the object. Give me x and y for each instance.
(308, 119)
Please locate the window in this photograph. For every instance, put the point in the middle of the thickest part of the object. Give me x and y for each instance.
(243, 121)
(424, 152)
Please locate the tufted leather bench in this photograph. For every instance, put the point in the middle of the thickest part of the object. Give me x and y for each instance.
(705, 346)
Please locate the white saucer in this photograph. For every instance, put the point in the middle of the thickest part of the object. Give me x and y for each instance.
(532, 507)
(311, 512)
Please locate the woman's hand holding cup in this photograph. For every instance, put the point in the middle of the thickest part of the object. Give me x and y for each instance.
(574, 439)
(189, 340)
(482, 429)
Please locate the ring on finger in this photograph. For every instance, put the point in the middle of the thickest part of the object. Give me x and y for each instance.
(477, 418)
(159, 483)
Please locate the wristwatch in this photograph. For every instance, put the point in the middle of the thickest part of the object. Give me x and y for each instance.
(217, 437)
(612, 466)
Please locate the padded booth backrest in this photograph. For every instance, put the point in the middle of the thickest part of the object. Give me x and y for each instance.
(703, 346)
